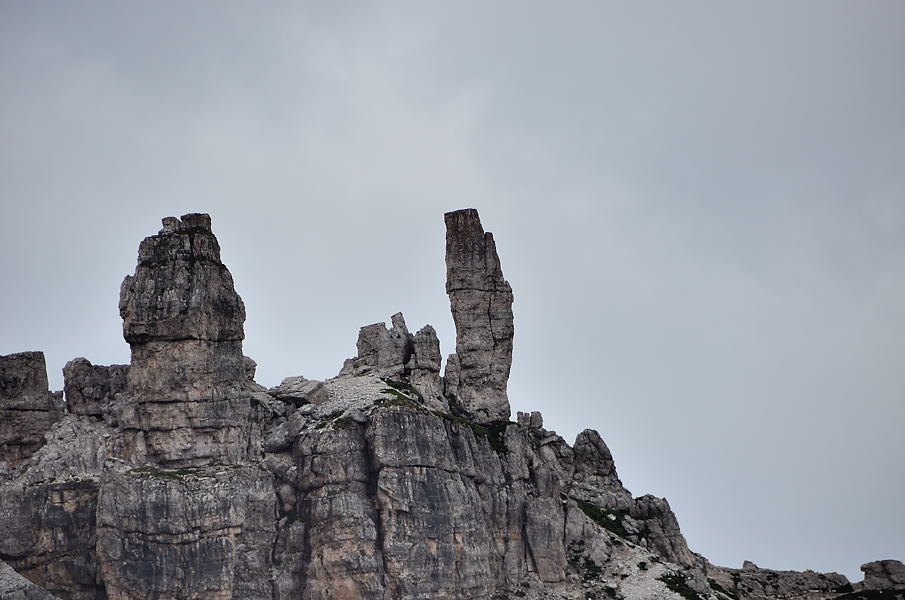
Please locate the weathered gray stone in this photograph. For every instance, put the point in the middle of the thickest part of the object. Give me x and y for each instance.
(653, 525)
(27, 407)
(424, 368)
(754, 582)
(382, 351)
(92, 389)
(15, 587)
(191, 533)
(76, 447)
(426, 350)
(481, 302)
(180, 289)
(47, 533)
(381, 483)
(395, 354)
(298, 391)
(595, 479)
(187, 402)
(883, 575)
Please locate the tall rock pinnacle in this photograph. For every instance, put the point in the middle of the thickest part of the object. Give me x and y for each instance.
(386, 482)
(481, 303)
(184, 322)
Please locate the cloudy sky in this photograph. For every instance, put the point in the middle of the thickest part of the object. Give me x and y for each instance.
(700, 207)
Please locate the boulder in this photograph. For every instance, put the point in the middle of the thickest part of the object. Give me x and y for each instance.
(91, 389)
(883, 575)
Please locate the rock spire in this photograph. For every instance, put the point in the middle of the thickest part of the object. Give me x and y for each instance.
(481, 302)
(177, 477)
(182, 317)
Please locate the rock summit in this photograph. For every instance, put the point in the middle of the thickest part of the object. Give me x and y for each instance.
(178, 477)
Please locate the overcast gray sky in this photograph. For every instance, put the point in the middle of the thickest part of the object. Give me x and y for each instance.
(700, 207)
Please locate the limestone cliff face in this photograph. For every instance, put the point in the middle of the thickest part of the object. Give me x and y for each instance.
(178, 477)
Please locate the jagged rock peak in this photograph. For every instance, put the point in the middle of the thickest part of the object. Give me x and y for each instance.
(180, 289)
(186, 402)
(178, 477)
(396, 353)
(481, 302)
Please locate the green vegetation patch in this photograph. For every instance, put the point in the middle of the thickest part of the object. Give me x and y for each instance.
(721, 590)
(291, 516)
(327, 420)
(495, 431)
(590, 570)
(610, 520)
(678, 583)
(398, 400)
(400, 393)
(404, 388)
(582, 563)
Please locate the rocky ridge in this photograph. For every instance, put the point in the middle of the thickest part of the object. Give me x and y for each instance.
(177, 476)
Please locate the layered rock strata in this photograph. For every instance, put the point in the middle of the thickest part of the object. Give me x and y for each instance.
(382, 497)
(27, 407)
(188, 533)
(48, 534)
(91, 390)
(15, 587)
(481, 302)
(186, 403)
(178, 477)
(186, 515)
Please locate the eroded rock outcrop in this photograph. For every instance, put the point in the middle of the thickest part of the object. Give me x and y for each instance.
(884, 575)
(92, 389)
(48, 535)
(396, 354)
(481, 302)
(186, 403)
(186, 515)
(594, 478)
(754, 582)
(187, 533)
(27, 407)
(179, 477)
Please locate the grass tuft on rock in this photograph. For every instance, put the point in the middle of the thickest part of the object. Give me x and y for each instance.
(678, 583)
(610, 520)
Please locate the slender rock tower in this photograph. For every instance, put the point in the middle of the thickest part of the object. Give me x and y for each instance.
(481, 302)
